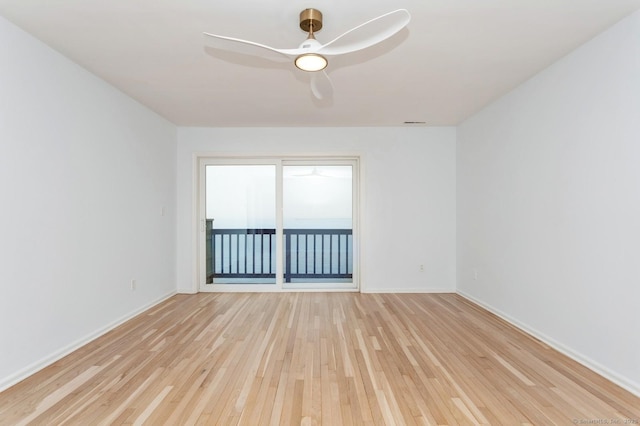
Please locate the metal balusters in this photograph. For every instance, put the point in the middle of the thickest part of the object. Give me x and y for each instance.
(303, 249)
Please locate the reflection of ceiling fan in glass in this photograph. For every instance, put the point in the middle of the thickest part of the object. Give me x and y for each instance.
(314, 173)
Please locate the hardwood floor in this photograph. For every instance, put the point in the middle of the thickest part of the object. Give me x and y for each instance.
(316, 358)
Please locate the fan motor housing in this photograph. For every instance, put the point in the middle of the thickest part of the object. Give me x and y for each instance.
(310, 20)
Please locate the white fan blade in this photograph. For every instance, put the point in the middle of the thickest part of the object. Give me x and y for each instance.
(366, 35)
(250, 48)
(321, 85)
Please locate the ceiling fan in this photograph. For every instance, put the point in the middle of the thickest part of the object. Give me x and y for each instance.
(311, 55)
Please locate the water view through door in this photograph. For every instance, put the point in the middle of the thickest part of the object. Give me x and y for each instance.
(271, 227)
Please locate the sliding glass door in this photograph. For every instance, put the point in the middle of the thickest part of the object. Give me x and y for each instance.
(318, 225)
(240, 215)
(274, 225)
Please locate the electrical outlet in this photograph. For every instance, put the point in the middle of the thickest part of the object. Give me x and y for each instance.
(133, 285)
(475, 274)
(421, 268)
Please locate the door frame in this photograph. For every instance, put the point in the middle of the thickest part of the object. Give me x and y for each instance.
(203, 160)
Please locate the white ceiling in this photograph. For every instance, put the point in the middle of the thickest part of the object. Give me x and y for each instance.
(454, 57)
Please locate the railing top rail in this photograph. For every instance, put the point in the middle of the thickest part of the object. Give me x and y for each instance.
(292, 231)
(243, 231)
(318, 231)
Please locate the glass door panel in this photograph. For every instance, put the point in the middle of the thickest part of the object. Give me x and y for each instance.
(318, 226)
(240, 216)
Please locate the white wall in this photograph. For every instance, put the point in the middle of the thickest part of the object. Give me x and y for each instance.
(84, 172)
(549, 204)
(408, 211)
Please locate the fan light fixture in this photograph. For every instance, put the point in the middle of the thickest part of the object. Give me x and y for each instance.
(311, 62)
(310, 21)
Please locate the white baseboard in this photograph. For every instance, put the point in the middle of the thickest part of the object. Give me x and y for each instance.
(29, 370)
(596, 367)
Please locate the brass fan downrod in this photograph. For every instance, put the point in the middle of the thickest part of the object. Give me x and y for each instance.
(310, 21)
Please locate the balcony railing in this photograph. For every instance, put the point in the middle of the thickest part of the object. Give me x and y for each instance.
(309, 254)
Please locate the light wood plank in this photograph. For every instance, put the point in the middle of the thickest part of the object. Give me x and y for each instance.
(315, 358)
